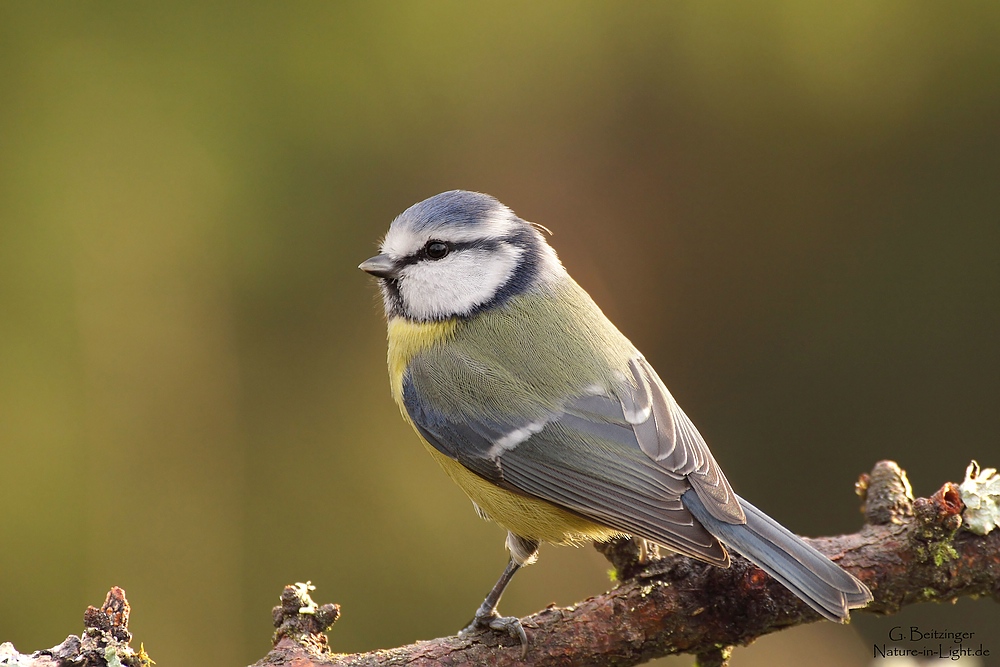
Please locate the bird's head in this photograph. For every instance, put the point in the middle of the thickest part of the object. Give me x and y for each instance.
(457, 254)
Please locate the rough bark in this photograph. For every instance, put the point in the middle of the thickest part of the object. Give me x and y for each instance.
(909, 551)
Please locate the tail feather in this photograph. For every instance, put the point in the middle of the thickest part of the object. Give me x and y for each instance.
(813, 577)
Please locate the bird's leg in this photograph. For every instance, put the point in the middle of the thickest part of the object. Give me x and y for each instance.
(487, 616)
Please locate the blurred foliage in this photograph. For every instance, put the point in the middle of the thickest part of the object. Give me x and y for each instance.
(792, 208)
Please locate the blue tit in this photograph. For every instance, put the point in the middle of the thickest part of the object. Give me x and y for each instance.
(545, 414)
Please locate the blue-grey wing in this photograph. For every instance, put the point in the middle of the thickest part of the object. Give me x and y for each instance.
(668, 437)
(597, 455)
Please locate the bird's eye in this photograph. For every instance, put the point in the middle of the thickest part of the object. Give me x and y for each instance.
(436, 249)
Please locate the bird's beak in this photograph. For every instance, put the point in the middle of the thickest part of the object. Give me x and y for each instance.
(381, 266)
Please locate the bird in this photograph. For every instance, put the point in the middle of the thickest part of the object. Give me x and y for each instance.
(548, 417)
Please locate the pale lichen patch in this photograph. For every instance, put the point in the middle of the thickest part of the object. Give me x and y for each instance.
(981, 494)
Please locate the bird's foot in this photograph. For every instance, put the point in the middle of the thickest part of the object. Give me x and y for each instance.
(489, 619)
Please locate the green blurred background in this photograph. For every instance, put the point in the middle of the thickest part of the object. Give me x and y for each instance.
(793, 209)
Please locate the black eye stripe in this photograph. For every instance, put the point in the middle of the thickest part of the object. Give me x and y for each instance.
(480, 244)
(455, 246)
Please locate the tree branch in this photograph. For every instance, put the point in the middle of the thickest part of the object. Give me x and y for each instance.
(908, 551)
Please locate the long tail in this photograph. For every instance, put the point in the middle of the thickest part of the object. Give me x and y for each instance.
(817, 580)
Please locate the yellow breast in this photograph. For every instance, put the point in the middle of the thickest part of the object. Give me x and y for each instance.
(408, 339)
(523, 515)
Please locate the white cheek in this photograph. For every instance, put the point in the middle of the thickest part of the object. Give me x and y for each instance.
(456, 284)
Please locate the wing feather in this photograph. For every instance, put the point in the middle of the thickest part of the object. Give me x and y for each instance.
(669, 438)
(585, 457)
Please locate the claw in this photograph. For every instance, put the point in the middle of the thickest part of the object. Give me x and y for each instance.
(491, 620)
